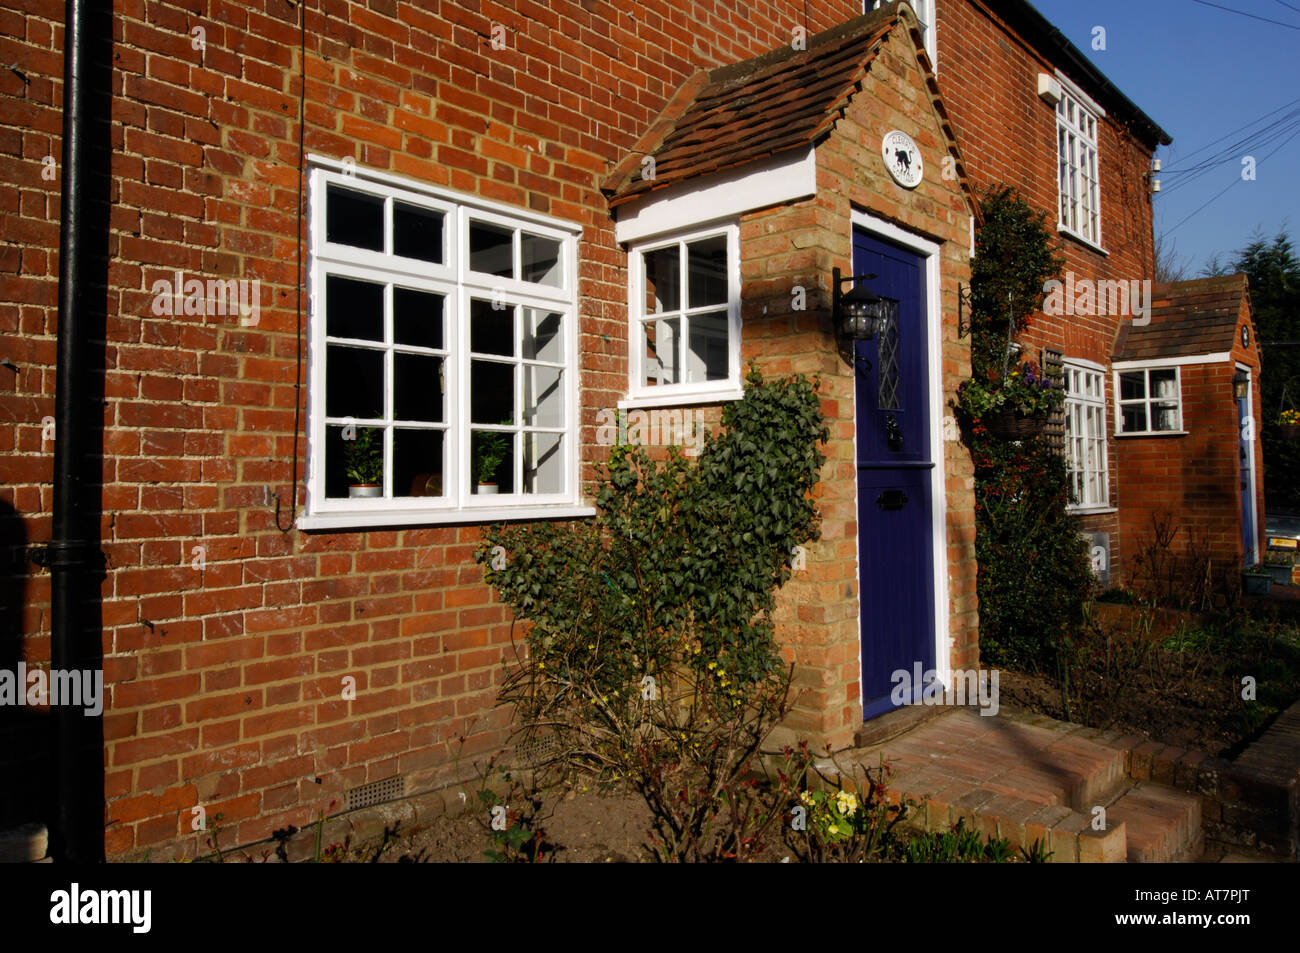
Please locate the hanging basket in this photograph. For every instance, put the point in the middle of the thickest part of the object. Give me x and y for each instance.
(1291, 431)
(1014, 425)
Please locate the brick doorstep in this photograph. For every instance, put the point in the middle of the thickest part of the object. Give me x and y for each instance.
(1041, 781)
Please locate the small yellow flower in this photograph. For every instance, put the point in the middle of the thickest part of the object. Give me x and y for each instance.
(713, 665)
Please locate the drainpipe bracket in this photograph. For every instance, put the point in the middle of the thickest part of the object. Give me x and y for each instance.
(67, 554)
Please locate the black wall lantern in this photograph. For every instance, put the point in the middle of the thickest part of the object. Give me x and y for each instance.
(1240, 384)
(858, 314)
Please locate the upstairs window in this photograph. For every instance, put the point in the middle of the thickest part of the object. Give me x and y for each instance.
(1078, 182)
(1150, 400)
(443, 353)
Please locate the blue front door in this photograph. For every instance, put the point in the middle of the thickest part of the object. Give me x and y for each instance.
(895, 507)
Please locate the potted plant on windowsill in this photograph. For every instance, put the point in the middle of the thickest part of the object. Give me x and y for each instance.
(1290, 421)
(490, 449)
(1280, 566)
(363, 458)
(1014, 406)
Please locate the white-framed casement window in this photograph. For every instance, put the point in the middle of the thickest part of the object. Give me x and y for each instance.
(1150, 400)
(1085, 435)
(1078, 180)
(684, 312)
(442, 383)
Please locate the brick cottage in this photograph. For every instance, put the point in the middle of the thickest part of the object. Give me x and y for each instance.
(374, 276)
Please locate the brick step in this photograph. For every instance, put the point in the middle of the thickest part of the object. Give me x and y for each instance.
(1048, 763)
(1162, 824)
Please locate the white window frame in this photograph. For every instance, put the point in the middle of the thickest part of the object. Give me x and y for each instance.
(1148, 400)
(1078, 177)
(729, 388)
(1078, 403)
(453, 279)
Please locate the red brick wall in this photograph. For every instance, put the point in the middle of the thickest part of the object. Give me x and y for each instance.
(988, 75)
(225, 683)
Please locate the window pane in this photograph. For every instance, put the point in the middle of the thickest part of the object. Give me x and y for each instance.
(364, 455)
(1132, 385)
(354, 309)
(491, 250)
(661, 338)
(662, 277)
(709, 355)
(354, 218)
(543, 335)
(1164, 383)
(491, 327)
(543, 463)
(1164, 416)
(417, 318)
(541, 260)
(543, 396)
(418, 462)
(419, 389)
(354, 382)
(491, 392)
(706, 271)
(492, 460)
(1135, 417)
(417, 232)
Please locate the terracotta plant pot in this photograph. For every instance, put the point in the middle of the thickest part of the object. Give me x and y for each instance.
(1014, 425)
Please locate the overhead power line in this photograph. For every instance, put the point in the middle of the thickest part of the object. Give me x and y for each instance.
(1243, 13)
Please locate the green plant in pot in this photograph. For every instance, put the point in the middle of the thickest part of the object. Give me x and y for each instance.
(490, 450)
(1258, 580)
(363, 458)
(1279, 566)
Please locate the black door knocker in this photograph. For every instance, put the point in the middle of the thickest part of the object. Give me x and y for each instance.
(893, 433)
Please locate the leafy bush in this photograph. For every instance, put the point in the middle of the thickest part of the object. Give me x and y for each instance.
(651, 653)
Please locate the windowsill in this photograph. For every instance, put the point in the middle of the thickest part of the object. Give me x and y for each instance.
(1091, 510)
(681, 399)
(416, 518)
(1153, 433)
(1071, 233)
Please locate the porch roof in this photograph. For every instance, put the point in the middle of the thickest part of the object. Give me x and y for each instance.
(782, 100)
(1187, 317)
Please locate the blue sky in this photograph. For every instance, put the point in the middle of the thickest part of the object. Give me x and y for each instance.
(1202, 73)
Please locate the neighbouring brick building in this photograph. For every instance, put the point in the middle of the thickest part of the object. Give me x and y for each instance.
(462, 237)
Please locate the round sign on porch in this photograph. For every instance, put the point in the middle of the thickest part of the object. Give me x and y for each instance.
(902, 158)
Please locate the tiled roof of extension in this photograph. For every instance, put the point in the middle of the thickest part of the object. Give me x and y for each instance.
(1187, 317)
(785, 99)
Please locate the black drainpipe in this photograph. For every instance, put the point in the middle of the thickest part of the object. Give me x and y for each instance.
(74, 557)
